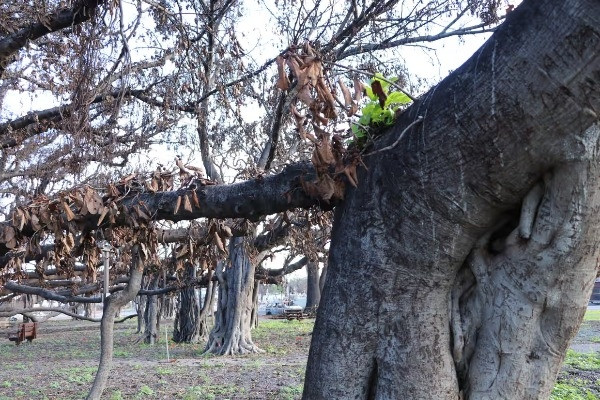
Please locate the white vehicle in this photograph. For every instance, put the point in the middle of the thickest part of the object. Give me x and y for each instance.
(275, 309)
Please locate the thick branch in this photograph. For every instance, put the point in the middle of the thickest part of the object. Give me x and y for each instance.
(10, 138)
(48, 294)
(80, 12)
(250, 199)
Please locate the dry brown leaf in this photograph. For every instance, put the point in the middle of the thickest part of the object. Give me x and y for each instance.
(153, 185)
(217, 240)
(295, 67)
(35, 222)
(350, 172)
(102, 215)
(92, 201)
(68, 211)
(181, 251)
(187, 205)
(127, 179)
(226, 231)
(44, 215)
(378, 90)
(140, 213)
(113, 191)
(283, 82)
(348, 103)
(144, 251)
(358, 90)
(177, 204)
(70, 240)
(324, 92)
(8, 233)
(195, 200)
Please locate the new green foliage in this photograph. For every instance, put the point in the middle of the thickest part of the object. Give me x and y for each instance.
(373, 114)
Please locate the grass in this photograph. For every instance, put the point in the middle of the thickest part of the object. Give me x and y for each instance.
(210, 392)
(78, 375)
(145, 391)
(255, 376)
(583, 361)
(592, 315)
(116, 395)
(165, 370)
(574, 390)
(290, 392)
(278, 337)
(580, 379)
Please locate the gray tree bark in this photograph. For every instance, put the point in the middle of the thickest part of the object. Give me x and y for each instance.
(254, 315)
(231, 333)
(313, 290)
(322, 278)
(151, 321)
(112, 304)
(140, 309)
(462, 264)
(187, 326)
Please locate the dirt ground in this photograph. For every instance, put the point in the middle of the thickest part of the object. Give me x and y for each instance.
(61, 363)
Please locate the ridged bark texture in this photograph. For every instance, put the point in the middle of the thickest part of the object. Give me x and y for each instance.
(231, 333)
(450, 275)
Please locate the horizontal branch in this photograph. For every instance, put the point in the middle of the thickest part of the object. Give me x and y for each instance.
(48, 294)
(26, 311)
(80, 12)
(249, 199)
(11, 132)
(273, 276)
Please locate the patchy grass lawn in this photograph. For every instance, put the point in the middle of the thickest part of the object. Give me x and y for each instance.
(61, 364)
(62, 361)
(592, 315)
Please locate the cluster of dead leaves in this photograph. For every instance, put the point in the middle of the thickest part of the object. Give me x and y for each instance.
(315, 93)
(66, 218)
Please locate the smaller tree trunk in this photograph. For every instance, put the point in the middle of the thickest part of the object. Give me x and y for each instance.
(151, 315)
(322, 278)
(313, 290)
(140, 309)
(254, 318)
(186, 327)
(231, 333)
(206, 318)
(111, 305)
(87, 310)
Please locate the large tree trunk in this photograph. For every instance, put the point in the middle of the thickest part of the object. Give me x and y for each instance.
(112, 304)
(231, 333)
(313, 290)
(463, 262)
